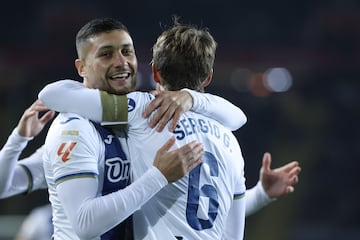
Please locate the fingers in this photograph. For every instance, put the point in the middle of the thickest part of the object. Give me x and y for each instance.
(293, 178)
(266, 162)
(154, 104)
(190, 149)
(47, 117)
(169, 112)
(290, 166)
(162, 114)
(165, 111)
(194, 156)
(290, 189)
(38, 107)
(198, 151)
(294, 169)
(177, 163)
(29, 113)
(172, 114)
(192, 153)
(175, 119)
(194, 164)
(164, 118)
(34, 109)
(169, 143)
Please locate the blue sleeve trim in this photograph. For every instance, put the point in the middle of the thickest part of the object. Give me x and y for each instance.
(238, 196)
(76, 175)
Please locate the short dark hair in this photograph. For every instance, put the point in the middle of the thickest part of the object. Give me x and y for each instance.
(95, 27)
(184, 56)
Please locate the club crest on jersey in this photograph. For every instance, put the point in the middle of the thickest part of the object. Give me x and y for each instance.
(131, 104)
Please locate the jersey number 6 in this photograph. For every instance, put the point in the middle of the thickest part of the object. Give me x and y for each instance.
(207, 190)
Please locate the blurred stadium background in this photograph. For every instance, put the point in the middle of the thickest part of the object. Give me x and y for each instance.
(292, 66)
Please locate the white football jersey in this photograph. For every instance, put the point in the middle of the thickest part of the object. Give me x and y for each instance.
(74, 148)
(196, 206)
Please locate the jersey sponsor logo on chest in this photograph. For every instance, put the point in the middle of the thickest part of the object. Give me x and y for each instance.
(117, 169)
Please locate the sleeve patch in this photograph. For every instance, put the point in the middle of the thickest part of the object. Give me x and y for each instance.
(65, 150)
(70, 133)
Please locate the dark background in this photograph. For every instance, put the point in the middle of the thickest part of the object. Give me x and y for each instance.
(315, 122)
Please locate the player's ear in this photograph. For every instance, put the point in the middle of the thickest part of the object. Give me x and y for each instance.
(156, 74)
(80, 67)
(208, 79)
